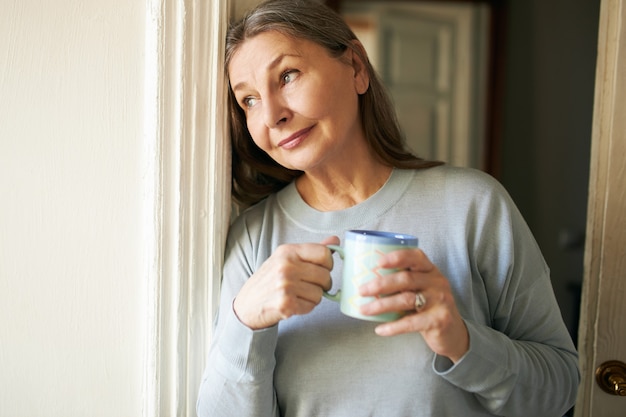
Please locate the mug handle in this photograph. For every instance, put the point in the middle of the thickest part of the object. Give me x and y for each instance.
(336, 296)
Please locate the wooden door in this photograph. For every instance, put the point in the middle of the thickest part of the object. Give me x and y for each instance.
(602, 333)
(432, 58)
(417, 59)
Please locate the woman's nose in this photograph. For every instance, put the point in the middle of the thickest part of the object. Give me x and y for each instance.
(274, 111)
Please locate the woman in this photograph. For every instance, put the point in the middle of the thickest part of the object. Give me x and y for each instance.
(317, 151)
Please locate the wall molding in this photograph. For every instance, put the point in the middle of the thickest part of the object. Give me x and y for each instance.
(188, 202)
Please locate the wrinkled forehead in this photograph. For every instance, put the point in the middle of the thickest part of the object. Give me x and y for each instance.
(258, 53)
(264, 51)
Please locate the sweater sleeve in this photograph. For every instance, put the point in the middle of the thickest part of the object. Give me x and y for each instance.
(238, 380)
(524, 357)
(538, 376)
(239, 376)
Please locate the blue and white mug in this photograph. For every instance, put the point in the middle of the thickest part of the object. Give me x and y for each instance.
(361, 252)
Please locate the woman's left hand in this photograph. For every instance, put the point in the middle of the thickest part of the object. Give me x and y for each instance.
(439, 320)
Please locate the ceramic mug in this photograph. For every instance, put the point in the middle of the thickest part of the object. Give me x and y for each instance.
(360, 253)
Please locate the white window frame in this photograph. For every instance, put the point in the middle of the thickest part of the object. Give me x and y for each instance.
(188, 161)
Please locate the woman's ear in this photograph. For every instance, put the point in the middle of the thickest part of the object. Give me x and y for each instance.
(361, 75)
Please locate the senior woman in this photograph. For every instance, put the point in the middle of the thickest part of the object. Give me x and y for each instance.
(317, 151)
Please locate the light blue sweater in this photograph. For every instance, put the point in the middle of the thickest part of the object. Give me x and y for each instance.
(521, 361)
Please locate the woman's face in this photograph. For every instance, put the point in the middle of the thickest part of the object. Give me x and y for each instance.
(301, 104)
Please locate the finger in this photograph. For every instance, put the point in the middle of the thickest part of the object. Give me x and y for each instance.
(403, 281)
(404, 301)
(315, 253)
(289, 297)
(444, 331)
(392, 283)
(406, 324)
(413, 259)
(304, 272)
(317, 276)
(310, 293)
(428, 319)
(331, 240)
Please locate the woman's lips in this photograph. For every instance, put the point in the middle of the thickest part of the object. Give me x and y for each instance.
(295, 139)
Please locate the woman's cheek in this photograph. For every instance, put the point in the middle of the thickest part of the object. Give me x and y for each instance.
(256, 133)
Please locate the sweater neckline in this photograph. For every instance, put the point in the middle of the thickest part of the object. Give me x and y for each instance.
(306, 217)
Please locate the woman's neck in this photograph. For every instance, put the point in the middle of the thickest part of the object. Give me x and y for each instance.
(344, 187)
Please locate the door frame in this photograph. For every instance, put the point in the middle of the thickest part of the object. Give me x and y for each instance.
(605, 260)
(188, 157)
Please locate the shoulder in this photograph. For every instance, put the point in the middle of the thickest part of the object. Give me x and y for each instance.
(261, 219)
(461, 195)
(243, 242)
(251, 218)
(461, 176)
(458, 182)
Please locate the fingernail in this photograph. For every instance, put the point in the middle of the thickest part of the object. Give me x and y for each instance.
(381, 330)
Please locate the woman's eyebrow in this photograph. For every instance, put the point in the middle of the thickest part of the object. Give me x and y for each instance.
(273, 64)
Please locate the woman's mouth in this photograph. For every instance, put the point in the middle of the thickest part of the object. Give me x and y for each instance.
(294, 140)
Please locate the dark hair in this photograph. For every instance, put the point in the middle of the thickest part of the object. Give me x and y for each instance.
(255, 175)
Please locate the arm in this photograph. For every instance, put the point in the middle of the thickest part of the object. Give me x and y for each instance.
(238, 378)
(258, 291)
(525, 357)
(527, 368)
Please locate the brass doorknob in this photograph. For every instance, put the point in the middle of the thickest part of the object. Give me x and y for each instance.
(611, 376)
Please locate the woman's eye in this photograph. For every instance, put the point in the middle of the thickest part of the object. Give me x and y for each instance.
(249, 102)
(289, 76)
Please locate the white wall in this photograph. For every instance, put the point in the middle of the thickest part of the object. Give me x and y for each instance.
(73, 260)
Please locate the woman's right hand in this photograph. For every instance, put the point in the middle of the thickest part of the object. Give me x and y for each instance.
(290, 282)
